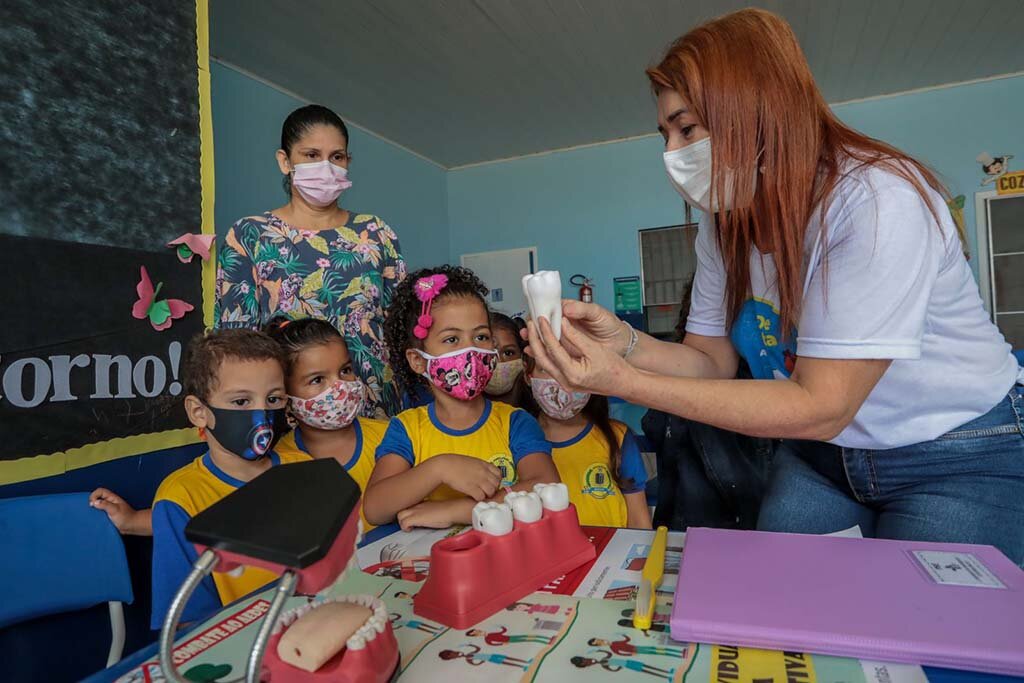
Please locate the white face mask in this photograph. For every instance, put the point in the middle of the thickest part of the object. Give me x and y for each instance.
(689, 169)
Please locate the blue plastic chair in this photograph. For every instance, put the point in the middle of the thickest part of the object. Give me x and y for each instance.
(57, 554)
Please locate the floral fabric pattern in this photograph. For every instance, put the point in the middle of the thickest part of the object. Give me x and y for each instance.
(345, 275)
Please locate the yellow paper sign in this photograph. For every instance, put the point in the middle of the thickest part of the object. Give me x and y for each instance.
(744, 665)
(1011, 183)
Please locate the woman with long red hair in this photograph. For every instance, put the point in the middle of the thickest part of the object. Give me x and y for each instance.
(828, 261)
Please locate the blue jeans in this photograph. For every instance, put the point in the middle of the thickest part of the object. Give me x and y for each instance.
(967, 486)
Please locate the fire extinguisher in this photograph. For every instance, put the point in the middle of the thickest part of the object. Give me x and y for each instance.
(586, 287)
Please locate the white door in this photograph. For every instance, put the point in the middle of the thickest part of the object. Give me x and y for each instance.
(502, 272)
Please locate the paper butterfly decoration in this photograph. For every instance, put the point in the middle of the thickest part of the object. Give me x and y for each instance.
(160, 313)
(190, 244)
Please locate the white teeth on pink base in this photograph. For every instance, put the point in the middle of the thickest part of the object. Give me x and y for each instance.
(375, 624)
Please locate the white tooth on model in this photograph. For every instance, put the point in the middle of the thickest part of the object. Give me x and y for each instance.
(355, 642)
(526, 506)
(492, 518)
(554, 497)
(543, 291)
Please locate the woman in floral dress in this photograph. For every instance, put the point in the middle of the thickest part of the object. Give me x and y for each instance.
(313, 258)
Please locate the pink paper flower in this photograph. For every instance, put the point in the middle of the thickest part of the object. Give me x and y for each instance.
(429, 287)
(323, 263)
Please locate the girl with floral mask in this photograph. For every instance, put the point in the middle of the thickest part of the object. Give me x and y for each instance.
(506, 383)
(325, 398)
(598, 458)
(437, 461)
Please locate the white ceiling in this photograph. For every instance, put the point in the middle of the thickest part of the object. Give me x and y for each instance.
(465, 81)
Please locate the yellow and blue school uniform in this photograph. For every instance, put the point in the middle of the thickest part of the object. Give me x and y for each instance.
(369, 434)
(585, 467)
(183, 494)
(502, 436)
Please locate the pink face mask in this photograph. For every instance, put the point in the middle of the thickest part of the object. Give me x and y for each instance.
(320, 182)
(462, 374)
(558, 403)
(334, 408)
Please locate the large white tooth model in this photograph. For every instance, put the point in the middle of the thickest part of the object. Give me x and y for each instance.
(543, 291)
(492, 518)
(554, 497)
(526, 506)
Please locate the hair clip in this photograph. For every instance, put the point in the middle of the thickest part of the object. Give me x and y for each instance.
(427, 289)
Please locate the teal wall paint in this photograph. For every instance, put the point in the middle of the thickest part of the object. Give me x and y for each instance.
(581, 208)
(408, 192)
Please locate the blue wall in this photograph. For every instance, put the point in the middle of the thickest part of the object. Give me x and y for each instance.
(405, 190)
(582, 207)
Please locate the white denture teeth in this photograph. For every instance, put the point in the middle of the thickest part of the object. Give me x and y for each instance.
(355, 642)
(492, 518)
(543, 291)
(526, 506)
(554, 497)
(377, 623)
(289, 617)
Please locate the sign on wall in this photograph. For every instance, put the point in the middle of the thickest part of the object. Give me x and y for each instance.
(105, 157)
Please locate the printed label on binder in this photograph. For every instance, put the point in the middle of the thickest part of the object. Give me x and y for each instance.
(956, 569)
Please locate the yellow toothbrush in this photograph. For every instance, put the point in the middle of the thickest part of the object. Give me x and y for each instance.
(647, 591)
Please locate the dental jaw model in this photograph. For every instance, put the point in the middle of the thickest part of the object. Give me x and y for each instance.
(543, 291)
(514, 549)
(341, 641)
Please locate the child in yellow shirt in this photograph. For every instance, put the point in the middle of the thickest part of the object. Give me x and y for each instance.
(234, 380)
(597, 458)
(438, 460)
(325, 398)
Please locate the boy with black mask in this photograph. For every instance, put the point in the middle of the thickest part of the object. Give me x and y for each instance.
(234, 380)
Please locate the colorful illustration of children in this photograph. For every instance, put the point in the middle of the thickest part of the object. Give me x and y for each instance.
(478, 657)
(655, 626)
(614, 664)
(501, 637)
(623, 646)
(533, 608)
(415, 624)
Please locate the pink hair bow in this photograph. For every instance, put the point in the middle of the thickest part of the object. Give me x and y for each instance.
(427, 289)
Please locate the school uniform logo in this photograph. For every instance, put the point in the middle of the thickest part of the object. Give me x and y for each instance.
(507, 468)
(598, 482)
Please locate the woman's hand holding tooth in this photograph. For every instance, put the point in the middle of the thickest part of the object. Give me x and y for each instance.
(583, 360)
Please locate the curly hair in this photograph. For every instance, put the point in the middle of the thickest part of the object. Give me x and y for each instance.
(405, 309)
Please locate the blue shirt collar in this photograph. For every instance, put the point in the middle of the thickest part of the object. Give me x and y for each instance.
(275, 460)
(431, 412)
(576, 439)
(300, 444)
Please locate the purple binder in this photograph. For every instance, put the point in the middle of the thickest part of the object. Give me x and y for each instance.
(940, 604)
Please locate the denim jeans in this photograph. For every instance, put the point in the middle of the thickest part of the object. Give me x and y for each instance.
(967, 486)
(706, 476)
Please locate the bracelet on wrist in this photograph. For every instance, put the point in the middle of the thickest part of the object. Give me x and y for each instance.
(634, 337)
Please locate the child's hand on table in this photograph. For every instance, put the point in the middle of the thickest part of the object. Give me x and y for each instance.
(127, 519)
(436, 514)
(470, 476)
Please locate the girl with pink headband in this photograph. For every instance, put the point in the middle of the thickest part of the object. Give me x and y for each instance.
(437, 461)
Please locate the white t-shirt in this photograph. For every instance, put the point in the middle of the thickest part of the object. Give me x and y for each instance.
(897, 289)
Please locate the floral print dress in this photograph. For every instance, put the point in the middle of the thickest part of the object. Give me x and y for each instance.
(345, 275)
